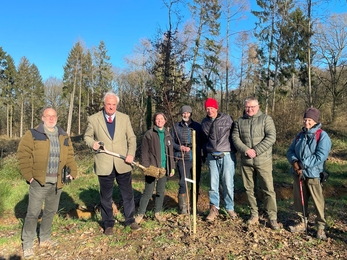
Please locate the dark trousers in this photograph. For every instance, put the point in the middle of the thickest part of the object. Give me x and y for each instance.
(150, 182)
(126, 191)
(185, 171)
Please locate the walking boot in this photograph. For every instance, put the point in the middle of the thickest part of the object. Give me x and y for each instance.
(253, 220)
(159, 218)
(321, 234)
(182, 204)
(213, 214)
(139, 218)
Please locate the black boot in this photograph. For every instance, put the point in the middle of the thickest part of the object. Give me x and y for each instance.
(182, 203)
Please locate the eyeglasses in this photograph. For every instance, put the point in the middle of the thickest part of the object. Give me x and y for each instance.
(50, 116)
(251, 107)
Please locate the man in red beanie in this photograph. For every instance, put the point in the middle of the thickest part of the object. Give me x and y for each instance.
(220, 157)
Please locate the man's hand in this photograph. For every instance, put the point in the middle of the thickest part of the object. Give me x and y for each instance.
(96, 146)
(172, 173)
(185, 149)
(251, 153)
(129, 159)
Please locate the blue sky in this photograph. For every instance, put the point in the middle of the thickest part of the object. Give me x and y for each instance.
(44, 31)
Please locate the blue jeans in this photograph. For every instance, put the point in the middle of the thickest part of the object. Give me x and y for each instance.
(37, 195)
(222, 170)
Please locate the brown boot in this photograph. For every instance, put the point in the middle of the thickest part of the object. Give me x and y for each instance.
(213, 214)
(139, 218)
(274, 224)
(159, 218)
(321, 234)
(253, 220)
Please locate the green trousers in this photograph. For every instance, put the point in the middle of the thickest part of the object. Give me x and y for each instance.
(262, 174)
(311, 188)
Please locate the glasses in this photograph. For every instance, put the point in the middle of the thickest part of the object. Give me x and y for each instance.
(251, 107)
(50, 116)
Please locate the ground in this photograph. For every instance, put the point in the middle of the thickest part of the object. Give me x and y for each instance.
(223, 239)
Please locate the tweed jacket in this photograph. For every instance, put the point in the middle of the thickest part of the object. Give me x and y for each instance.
(33, 155)
(123, 142)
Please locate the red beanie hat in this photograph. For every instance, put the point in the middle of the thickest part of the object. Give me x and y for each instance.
(211, 102)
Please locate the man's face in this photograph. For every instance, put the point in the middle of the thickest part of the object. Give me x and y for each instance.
(309, 123)
(49, 118)
(110, 105)
(186, 116)
(212, 112)
(252, 108)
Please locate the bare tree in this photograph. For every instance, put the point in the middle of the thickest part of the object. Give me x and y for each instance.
(330, 44)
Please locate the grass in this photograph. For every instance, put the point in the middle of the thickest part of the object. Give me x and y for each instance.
(84, 192)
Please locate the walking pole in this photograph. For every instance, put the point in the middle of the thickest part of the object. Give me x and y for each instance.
(303, 204)
(194, 178)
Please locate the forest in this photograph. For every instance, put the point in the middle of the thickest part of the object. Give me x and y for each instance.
(295, 58)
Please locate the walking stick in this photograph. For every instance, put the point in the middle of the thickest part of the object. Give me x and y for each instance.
(303, 204)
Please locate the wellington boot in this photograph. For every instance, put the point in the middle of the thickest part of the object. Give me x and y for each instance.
(182, 203)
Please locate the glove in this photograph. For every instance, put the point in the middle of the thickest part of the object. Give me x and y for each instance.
(172, 173)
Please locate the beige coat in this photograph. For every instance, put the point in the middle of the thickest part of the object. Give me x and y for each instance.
(123, 142)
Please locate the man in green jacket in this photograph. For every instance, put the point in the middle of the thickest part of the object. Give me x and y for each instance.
(42, 153)
(253, 136)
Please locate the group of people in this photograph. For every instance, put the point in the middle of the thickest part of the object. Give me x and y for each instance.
(45, 152)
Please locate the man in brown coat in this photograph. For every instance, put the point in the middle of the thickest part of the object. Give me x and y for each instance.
(42, 153)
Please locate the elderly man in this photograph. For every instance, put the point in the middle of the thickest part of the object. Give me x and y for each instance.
(253, 136)
(43, 153)
(182, 142)
(115, 131)
(221, 157)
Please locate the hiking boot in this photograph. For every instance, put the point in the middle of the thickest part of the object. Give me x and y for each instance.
(321, 234)
(139, 218)
(108, 231)
(274, 225)
(159, 217)
(28, 253)
(134, 226)
(253, 220)
(48, 243)
(213, 214)
(232, 214)
(297, 228)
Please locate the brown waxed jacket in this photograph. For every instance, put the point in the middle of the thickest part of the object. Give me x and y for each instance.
(150, 150)
(33, 154)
